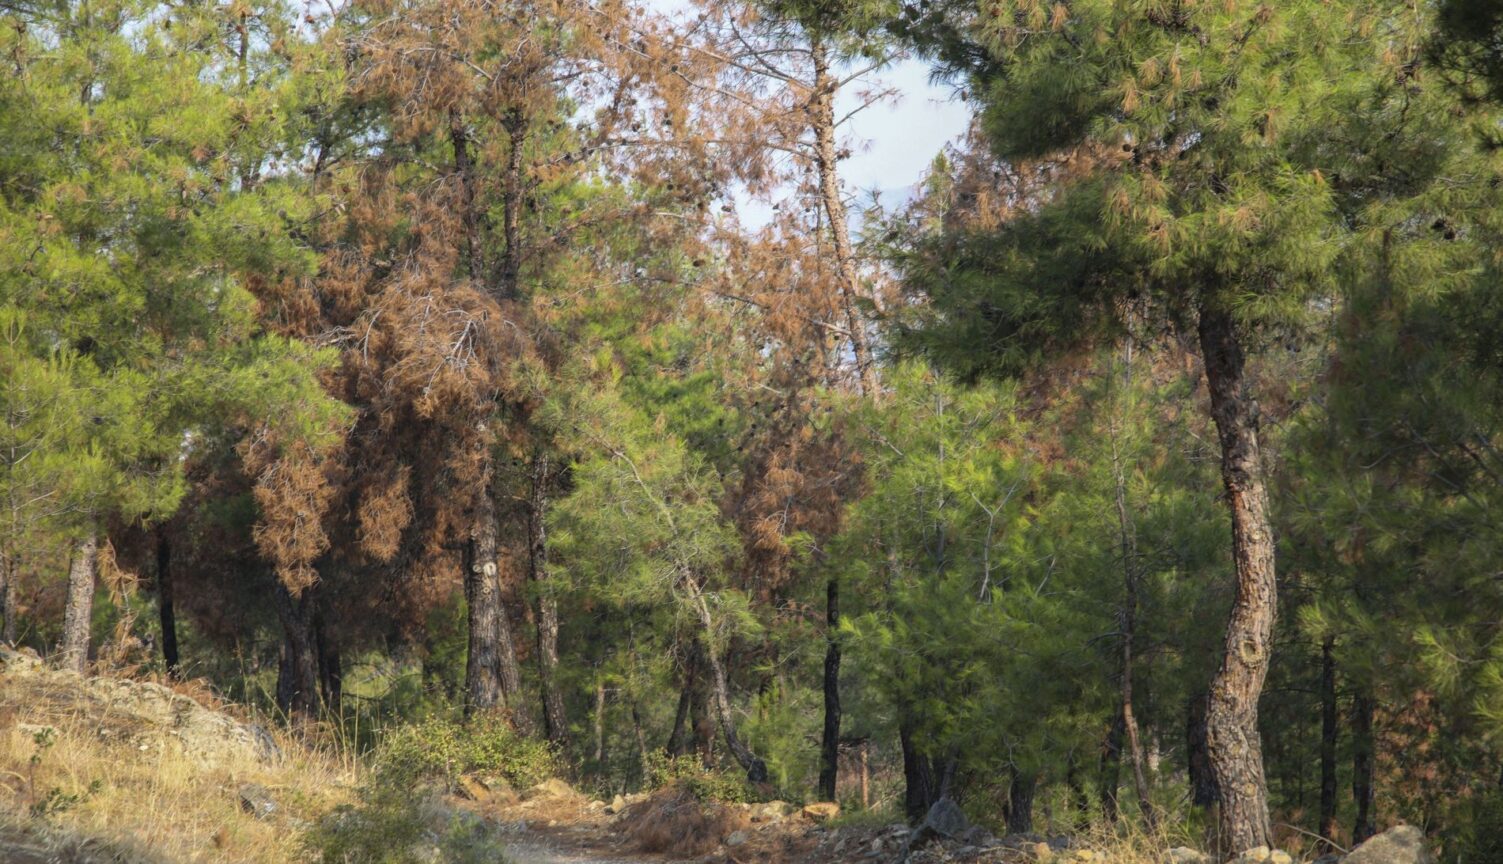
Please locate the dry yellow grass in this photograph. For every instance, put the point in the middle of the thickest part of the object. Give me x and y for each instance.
(145, 792)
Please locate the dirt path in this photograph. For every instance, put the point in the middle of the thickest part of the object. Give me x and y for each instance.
(533, 851)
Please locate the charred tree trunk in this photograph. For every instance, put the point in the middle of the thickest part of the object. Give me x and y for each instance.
(830, 745)
(555, 723)
(165, 611)
(920, 789)
(298, 680)
(512, 193)
(1232, 719)
(482, 591)
(1020, 802)
(1202, 780)
(1329, 731)
(1111, 769)
(78, 614)
(1363, 751)
(826, 162)
(472, 247)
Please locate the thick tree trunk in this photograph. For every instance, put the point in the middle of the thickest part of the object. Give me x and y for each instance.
(9, 573)
(679, 738)
(1232, 719)
(482, 591)
(330, 670)
(1202, 780)
(555, 723)
(826, 162)
(78, 614)
(830, 744)
(298, 682)
(1362, 766)
(920, 789)
(165, 612)
(1111, 769)
(1020, 802)
(1329, 731)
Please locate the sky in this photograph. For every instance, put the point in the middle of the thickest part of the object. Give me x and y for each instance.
(892, 143)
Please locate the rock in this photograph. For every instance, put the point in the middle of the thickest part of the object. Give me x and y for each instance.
(552, 788)
(617, 805)
(1041, 851)
(771, 811)
(944, 819)
(256, 800)
(821, 811)
(737, 838)
(1404, 844)
(1186, 855)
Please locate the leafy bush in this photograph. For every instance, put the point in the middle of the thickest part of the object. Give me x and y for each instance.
(440, 750)
(1481, 836)
(688, 773)
(394, 825)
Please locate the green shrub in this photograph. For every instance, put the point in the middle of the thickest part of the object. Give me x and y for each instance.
(394, 825)
(688, 772)
(1481, 836)
(441, 750)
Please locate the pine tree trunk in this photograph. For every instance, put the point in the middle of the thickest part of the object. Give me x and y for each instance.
(78, 614)
(1202, 780)
(830, 744)
(1129, 618)
(920, 790)
(678, 739)
(1363, 751)
(330, 670)
(9, 573)
(1020, 802)
(599, 719)
(555, 723)
(298, 685)
(1232, 719)
(482, 591)
(165, 612)
(511, 670)
(510, 276)
(720, 692)
(1329, 731)
(826, 161)
(1111, 769)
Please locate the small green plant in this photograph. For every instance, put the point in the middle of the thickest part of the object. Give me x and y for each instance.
(701, 782)
(441, 750)
(393, 825)
(54, 800)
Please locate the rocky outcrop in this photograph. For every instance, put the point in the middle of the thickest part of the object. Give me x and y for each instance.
(1404, 844)
(133, 712)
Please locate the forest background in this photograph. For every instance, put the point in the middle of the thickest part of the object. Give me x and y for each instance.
(410, 362)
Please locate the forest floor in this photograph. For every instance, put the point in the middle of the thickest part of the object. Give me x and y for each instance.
(98, 769)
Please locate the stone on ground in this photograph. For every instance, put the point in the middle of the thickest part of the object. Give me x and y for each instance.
(1404, 844)
(821, 811)
(552, 788)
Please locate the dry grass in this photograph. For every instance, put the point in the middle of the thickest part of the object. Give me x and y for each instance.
(675, 823)
(147, 793)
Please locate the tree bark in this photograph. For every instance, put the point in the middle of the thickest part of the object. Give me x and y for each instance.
(1111, 769)
(830, 745)
(512, 194)
(555, 722)
(1020, 802)
(165, 613)
(1202, 780)
(9, 573)
(1363, 751)
(599, 719)
(482, 591)
(826, 161)
(678, 739)
(78, 614)
(920, 790)
(330, 670)
(298, 683)
(1232, 719)
(1329, 731)
(472, 248)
